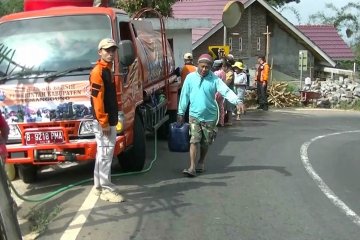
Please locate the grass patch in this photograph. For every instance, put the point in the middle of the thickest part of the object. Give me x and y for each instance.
(291, 87)
(40, 218)
(355, 105)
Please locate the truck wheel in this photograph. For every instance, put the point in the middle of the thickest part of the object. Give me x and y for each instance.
(27, 172)
(134, 158)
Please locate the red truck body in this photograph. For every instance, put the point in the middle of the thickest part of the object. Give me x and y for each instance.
(45, 59)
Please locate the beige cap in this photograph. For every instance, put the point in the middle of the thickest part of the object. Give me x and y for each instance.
(188, 56)
(107, 43)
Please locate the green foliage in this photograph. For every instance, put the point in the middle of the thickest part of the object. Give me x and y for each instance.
(345, 19)
(11, 6)
(355, 105)
(164, 6)
(292, 10)
(280, 3)
(131, 6)
(291, 87)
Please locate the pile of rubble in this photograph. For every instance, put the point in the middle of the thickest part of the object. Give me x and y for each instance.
(335, 92)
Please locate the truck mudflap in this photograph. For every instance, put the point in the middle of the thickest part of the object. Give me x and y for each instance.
(45, 154)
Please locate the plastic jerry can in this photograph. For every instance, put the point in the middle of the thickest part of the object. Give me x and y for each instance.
(179, 137)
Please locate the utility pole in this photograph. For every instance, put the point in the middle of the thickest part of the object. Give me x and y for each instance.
(267, 33)
(225, 36)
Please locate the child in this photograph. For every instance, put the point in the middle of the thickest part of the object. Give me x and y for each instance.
(240, 82)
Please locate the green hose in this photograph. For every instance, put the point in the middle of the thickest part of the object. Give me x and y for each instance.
(60, 190)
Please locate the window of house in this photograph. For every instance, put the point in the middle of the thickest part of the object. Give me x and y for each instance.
(258, 44)
(240, 44)
(230, 43)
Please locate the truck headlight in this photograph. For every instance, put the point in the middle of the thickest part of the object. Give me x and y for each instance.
(86, 128)
(14, 132)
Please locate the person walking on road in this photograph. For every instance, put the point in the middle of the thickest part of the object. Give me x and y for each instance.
(261, 78)
(229, 107)
(105, 112)
(199, 90)
(240, 82)
(219, 72)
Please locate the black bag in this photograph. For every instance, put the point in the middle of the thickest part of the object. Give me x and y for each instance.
(179, 137)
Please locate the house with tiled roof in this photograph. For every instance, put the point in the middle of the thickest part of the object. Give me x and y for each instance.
(248, 39)
(329, 40)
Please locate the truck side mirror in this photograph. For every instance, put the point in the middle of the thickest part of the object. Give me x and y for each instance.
(126, 53)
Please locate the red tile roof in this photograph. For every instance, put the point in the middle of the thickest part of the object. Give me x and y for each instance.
(327, 38)
(200, 9)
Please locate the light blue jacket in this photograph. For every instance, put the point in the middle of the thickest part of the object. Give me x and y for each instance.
(200, 92)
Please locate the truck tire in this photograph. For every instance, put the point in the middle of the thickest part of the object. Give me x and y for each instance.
(27, 173)
(9, 226)
(134, 158)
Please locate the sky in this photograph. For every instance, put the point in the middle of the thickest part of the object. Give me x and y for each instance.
(309, 7)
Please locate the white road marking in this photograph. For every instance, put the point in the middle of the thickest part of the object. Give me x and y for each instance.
(79, 220)
(321, 184)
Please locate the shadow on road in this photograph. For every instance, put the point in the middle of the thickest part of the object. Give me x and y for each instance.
(161, 189)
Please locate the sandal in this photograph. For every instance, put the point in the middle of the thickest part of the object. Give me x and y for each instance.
(200, 168)
(189, 173)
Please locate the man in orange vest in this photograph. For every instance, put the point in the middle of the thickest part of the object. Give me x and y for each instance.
(261, 78)
(188, 66)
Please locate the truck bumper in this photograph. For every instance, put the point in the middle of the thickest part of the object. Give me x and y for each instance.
(45, 154)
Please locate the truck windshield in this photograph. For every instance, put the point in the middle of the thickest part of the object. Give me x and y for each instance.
(51, 44)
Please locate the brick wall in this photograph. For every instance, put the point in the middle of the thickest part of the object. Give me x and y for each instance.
(252, 25)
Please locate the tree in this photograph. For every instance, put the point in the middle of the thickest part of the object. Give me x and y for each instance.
(280, 3)
(293, 10)
(11, 6)
(164, 6)
(346, 20)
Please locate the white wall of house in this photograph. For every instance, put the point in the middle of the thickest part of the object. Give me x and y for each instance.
(182, 44)
(180, 31)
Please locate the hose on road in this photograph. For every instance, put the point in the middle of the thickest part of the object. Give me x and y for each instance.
(63, 189)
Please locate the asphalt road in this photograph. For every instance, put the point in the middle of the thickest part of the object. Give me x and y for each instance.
(284, 175)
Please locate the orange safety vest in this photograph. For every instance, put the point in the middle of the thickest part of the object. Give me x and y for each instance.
(188, 68)
(264, 72)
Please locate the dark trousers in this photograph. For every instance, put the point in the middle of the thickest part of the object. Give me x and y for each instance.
(262, 95)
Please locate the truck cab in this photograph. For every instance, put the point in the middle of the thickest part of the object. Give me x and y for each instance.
(45, 60)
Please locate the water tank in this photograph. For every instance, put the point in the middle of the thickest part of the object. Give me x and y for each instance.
(30, 5)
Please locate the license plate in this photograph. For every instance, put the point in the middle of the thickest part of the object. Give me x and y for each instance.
(44, 137)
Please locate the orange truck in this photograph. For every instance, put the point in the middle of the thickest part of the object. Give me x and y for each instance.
(46, 55)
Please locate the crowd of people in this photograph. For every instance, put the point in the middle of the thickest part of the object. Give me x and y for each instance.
(236, 76)
(212, 92)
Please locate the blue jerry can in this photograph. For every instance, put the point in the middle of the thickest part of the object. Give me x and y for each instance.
(179, 137)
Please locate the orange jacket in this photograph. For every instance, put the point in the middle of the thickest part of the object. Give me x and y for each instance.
(103, 94)
(264, 70)
(188, 68)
